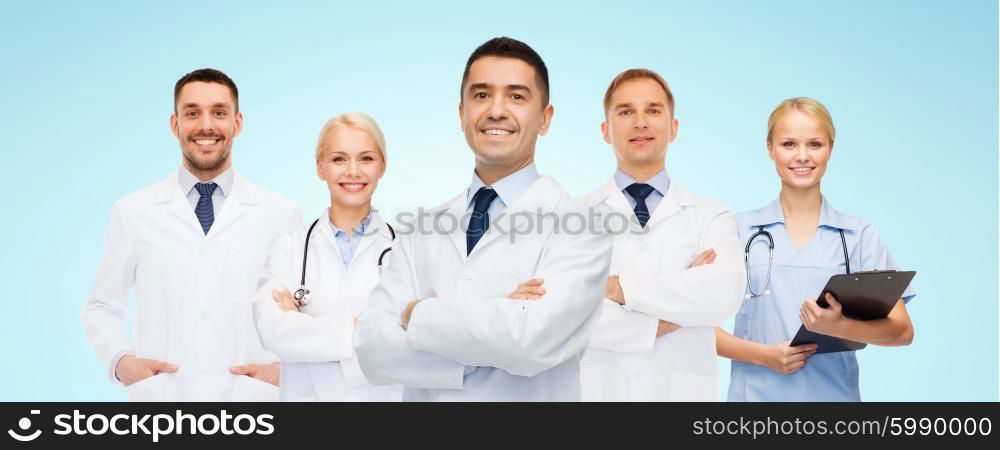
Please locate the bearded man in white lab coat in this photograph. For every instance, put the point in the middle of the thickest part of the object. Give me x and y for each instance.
(192, 246)
(674, 276)
(463, 315)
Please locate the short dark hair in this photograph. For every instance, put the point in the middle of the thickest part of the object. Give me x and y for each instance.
(208, 76)
(505, 47)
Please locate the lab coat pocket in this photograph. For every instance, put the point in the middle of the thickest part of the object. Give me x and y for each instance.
(249, 389)
(156, 388)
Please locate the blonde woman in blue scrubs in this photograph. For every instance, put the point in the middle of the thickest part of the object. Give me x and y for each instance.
(809, 241)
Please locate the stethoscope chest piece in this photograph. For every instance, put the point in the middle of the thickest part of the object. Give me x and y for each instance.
(750, 296)
(302, 296)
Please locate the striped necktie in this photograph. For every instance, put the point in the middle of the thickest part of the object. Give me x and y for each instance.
(639, 192)
(204, 210)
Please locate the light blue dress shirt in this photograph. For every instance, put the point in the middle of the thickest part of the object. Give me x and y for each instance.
(798, 274)
(660, 183)
(509, 190)
(187, 181)
(347, 243)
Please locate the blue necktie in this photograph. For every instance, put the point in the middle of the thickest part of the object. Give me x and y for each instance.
(639, 191)
(204, 211)
(480, 220)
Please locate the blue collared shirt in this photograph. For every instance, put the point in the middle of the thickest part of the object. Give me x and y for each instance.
(796, 275)
(509, 189)
(347, 243)
(660, 183)
(187, 181)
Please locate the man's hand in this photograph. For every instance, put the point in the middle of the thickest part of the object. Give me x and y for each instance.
(285, 300)
(131, 370)
(706, 257)
(405, 317)
(613, 291)
(787, 360)
(819, 319)
(529, 290)
(665, 327)
(268, 373)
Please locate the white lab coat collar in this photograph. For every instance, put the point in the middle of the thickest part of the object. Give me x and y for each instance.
(673, 200)
(544, 193)
(243, 194)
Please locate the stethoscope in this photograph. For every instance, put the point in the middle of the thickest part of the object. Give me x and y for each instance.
(302, 294)
(770, 259)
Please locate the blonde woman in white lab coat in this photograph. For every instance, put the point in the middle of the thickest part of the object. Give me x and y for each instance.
(347, 246)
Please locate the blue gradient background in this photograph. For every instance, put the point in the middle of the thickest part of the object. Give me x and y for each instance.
(912, 86)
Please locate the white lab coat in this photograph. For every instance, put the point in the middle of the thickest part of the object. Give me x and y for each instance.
(524, 350)
(193, 292)
(315, 345)
(625, 360)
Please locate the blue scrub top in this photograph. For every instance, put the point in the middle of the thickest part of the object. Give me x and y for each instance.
(795, 276)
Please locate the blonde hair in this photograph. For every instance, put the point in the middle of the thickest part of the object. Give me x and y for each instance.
(357, 120)
(638, 74)
(807, 106)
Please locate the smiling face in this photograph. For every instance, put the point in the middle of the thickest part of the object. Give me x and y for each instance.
(800, 149)
(205, 123)
(639, 126)
(502, 114)
(351, 165)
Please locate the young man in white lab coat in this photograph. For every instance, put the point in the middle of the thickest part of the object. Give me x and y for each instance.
(192, 246)
(444, 321)
(677, 272)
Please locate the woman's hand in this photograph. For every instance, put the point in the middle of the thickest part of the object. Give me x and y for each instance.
(785, 359)
(285, 300)
(822, 320)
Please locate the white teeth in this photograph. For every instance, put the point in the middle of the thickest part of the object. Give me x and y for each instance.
(205, 141)
(498, 132)
(353, 186)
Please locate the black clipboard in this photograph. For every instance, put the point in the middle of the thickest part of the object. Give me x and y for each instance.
(864, 296)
